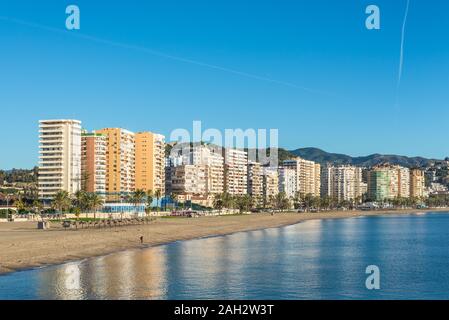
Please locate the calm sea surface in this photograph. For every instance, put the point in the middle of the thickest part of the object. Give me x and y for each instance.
(323, 259)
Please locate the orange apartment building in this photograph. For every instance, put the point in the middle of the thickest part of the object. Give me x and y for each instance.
(120, 162)
(93, 162)
(150, 162)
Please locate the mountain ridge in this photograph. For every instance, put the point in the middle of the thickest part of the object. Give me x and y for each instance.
(323, 157)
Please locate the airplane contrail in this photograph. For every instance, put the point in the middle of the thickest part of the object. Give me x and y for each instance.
(401, 55)
(161, 54)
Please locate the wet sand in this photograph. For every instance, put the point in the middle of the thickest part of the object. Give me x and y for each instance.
(22, 246)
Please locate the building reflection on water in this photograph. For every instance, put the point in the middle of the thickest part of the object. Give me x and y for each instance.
(320, 259)
(135, 274)
(189, 268)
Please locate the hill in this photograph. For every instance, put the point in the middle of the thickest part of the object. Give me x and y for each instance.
(323, 157)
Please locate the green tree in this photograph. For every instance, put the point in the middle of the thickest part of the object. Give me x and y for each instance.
(37, 206)
(172, 198)
(94, 202)
(150, 198)
(77, 212)
(61, 201)
(243, 202)
(308, 201)
(20, 205)
(137, 197)
(228, 200)
(297, 200)
(158, 195)
(281, 201)
(218, 202)
(80, 200)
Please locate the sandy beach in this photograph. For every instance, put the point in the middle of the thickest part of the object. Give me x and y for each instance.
(23, 246)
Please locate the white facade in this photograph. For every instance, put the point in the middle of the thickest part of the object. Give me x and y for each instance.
(287, 181)
(342, 182)
(255, 182)
(307, 175)
(270, 183)
(128, 160)
(59, 157)
(403, 182)
(236, 171)
(188, 179)
(209, 159)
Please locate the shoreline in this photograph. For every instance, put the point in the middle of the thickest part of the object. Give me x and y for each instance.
(24, 247)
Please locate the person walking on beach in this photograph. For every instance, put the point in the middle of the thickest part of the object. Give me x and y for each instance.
(141, 239)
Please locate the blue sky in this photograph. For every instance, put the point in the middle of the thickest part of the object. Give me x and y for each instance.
(107, 74)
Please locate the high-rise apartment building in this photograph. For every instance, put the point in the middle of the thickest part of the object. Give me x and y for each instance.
(417, 183)
(59, 157)
(188, 180)
(209, 157)
(403, 182)
(235, 171)
(308, 175)
(150, 161)
(213, 159)
(342, 183)
(255, 182)
(287, 181)
(386, 182)
(120, 162)
(93, 162)
(270, 184)
(383, 183)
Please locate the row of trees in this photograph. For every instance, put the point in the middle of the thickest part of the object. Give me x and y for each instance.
(228, 201)
(279, 201)
(87, 202)
(80, 202)
(139, 197)
(91, 202)
(438, 201)
(282, 202)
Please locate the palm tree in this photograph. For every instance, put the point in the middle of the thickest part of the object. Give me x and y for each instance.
(77, 212)
(172, 198)
(308, 201)
(316, 202)
(218, 202)
(61, 201)
(325, 202)
(94, 202)
(80, 201)
(150, 198)
(281, 201)
(228, 200)
(297, 201)
(37, 206)
(243, 202)
(137, 198)
(158, 195)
